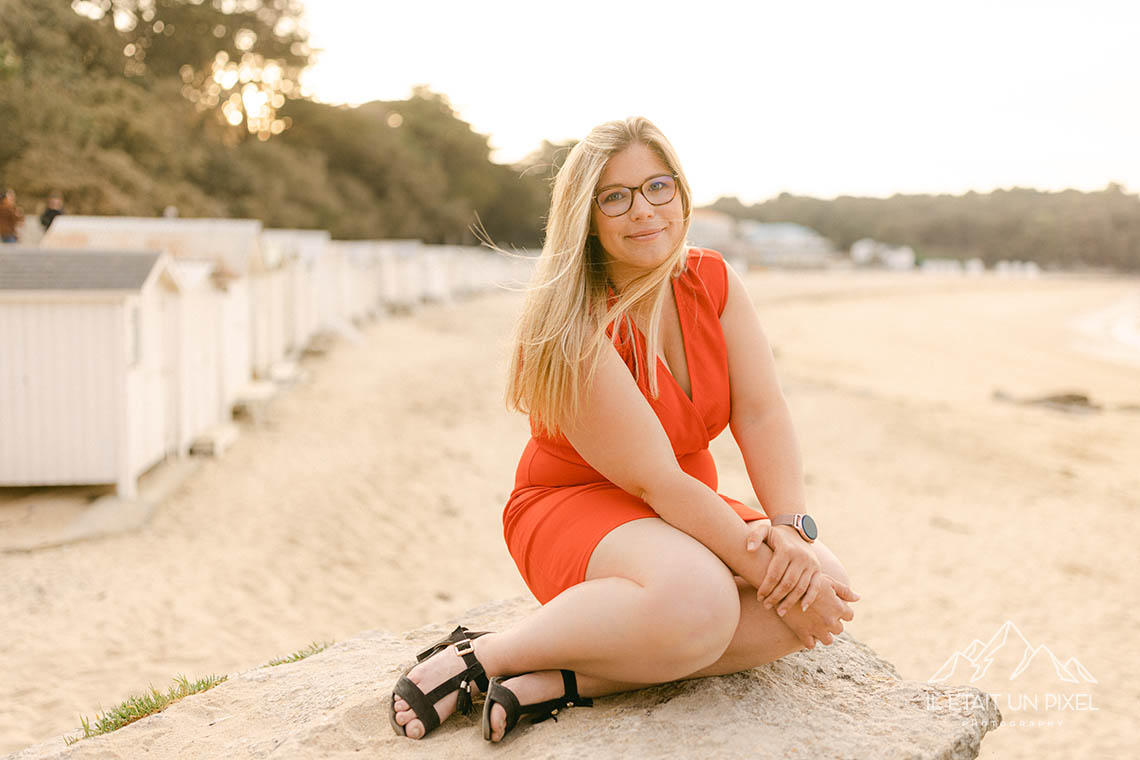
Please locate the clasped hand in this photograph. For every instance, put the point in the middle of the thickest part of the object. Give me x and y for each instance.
(794, 575)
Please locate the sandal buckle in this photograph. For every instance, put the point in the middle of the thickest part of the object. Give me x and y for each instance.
(464, 647)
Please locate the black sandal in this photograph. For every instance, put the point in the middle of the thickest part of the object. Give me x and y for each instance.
(424, 704)
(499, 694)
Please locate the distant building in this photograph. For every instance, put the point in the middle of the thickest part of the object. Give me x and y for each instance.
(778, 244)
(942, 266)
(868, 252)
(716, 230)
(784, 244)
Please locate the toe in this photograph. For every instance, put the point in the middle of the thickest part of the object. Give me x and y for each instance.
(414, 729)
(498, 722)
(401, 705)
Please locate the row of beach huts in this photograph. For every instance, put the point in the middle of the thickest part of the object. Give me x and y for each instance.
(127, 340)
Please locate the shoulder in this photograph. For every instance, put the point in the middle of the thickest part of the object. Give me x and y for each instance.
(707, 267)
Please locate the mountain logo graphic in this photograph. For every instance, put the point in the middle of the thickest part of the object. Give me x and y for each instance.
(976, 659)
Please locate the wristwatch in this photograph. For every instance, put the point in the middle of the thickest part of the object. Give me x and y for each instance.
(802, 523)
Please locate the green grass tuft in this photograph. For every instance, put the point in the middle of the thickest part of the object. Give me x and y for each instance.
(300, 654)
(135, 708)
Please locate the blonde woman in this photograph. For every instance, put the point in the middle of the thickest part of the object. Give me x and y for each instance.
(632, 352)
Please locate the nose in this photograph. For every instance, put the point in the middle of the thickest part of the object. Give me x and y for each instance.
(640, 208)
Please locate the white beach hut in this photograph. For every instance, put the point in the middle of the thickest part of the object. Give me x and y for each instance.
(302, 250)
(88, 377)
(436, 272)
(269, 313)
(233, 245)
(331, 275)
(476, 269)
(361, 277)
(401, 274)
(192, 334)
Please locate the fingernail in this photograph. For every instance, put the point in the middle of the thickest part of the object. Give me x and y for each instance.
(803, 607)
(781, 612)
(767, 606)
(751, 545)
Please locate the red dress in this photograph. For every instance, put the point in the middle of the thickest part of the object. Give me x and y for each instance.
(561, 507)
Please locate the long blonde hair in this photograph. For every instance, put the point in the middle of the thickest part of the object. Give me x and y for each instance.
(559, 336)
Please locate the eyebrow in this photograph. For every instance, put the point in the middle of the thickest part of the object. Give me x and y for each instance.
(639, 184)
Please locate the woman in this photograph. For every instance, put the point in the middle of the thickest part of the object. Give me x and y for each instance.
(645, 573)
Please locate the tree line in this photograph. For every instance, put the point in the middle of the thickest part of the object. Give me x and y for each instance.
(131, 106)
(1058, 230)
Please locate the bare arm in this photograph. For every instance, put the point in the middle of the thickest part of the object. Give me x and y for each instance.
(760, 420)
(619, 435)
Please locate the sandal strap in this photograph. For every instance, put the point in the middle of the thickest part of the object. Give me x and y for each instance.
(570, 691)
(459, 634)
(501, 695)
(570, 698)
(423, 705)
(461, 638)
(474, 671)
(539, 711)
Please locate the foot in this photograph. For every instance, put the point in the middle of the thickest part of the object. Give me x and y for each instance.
(530, 689)
(427, 675)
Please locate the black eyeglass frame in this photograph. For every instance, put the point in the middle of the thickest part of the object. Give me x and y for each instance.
(638, 189)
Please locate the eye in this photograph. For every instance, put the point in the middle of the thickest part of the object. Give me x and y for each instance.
(656, 185)
(613, 195)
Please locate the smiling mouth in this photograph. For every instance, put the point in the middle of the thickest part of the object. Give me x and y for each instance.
(646, 235)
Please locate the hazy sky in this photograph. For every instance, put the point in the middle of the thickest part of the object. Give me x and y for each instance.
(816, 98)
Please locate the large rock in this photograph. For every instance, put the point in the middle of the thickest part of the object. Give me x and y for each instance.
(837, 701)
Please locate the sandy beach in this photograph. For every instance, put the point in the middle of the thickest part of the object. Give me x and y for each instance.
(371, 497)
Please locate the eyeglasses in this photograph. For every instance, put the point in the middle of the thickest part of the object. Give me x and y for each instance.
(615, 200)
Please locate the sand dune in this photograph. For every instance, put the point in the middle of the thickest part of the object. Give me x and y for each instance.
(371, 499)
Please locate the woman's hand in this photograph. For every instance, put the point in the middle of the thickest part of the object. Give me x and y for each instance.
(825, 616)
(794, 572)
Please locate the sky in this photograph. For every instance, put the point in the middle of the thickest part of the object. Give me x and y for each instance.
(807, 97)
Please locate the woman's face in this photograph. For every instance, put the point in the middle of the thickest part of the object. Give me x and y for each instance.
(644, 236)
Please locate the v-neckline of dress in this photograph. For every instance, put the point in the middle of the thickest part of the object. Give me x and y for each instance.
(692, 395)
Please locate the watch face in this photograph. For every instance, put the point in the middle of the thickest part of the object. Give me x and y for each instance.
(809, 527)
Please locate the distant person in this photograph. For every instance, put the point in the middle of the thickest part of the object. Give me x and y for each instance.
(54, 209)
(11, 217)
(170, 212)
(632, 352)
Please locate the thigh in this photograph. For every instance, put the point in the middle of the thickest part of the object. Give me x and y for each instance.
(651, 552)
(686, 592)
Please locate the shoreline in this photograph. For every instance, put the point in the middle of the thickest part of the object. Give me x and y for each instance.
(1112, 332)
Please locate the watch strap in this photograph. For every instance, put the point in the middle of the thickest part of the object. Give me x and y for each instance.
(795, 519)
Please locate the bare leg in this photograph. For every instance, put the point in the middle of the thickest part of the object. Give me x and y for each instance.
(656, 606)
(761, 637)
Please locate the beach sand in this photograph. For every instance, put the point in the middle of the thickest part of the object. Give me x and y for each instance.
(371, 498)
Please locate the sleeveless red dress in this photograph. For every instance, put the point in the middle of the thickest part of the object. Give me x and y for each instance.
(561, 507)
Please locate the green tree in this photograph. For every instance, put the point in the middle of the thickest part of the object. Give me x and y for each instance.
(244, 57)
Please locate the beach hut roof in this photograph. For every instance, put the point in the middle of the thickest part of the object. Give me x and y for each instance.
(233, 243)
(76, 270)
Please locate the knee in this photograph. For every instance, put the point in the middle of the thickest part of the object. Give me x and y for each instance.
(693, 616)
(830, 564)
